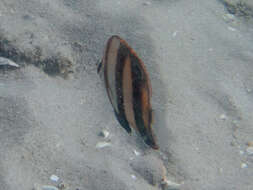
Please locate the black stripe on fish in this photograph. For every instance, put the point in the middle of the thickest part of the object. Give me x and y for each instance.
(137, 83)
(139, 79)
(121, 58)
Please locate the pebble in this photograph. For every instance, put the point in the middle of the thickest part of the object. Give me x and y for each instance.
(54, 178)
(104, 133)
(231, 29)
(133, 177)
(229, 17)
(146, 3)
(174, 34)
(250, 150)
(7, 62)
(83, 101)
(235, 122)
(102, 144)
(250, 143)
(232, 143)
(249, 90)
(243, 165)
(169, 185)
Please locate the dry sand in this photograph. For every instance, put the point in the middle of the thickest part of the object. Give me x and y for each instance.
(53, 107)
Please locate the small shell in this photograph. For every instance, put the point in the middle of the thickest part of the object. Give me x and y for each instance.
(48, 187)
(243, 165)
(174, 34)
(223, 117)
(102, 144)
(169, 185)
(104, 133)
(250, 150)
(44, 187)
(137, 153)
(54, 178)
(7, 62)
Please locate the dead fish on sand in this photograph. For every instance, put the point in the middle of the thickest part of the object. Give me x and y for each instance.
(128, 87)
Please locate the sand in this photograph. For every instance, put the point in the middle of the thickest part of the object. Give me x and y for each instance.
(54, 106)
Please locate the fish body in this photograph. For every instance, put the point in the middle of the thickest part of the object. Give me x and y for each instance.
(128, 88)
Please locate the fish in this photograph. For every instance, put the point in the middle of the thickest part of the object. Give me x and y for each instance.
(129, 88)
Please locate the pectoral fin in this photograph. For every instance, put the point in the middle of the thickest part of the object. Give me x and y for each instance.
(99, 67)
